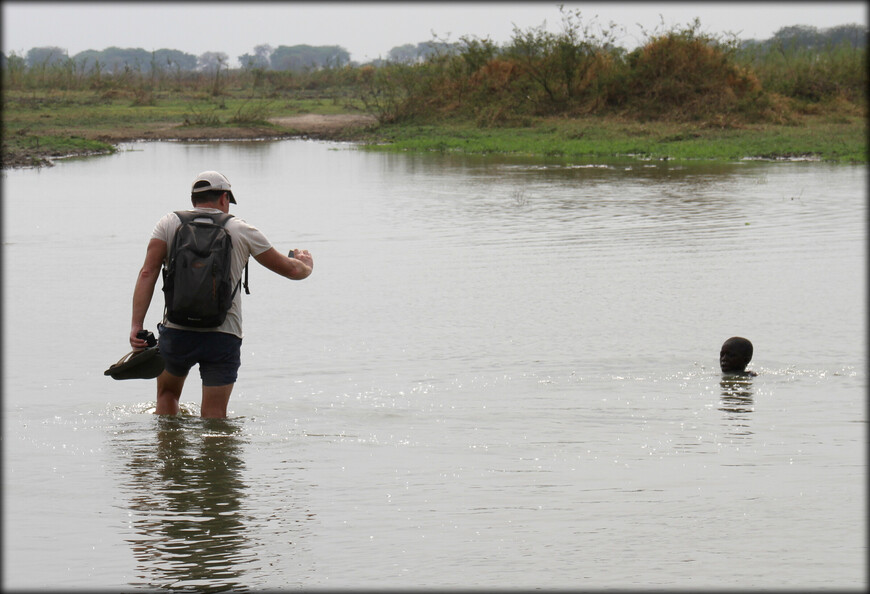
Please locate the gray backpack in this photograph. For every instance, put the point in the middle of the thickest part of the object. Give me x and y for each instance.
(197, 286)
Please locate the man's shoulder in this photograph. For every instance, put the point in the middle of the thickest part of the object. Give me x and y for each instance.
(241, 224)
(167, 223)
(249, 235)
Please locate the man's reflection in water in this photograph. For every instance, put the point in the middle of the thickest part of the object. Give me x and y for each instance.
(187, 490)
(737, 402)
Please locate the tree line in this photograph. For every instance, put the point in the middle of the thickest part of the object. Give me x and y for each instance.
(302, 58)
(807, 37)
(114, 60)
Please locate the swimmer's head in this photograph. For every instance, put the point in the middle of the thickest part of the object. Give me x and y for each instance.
(735, 355)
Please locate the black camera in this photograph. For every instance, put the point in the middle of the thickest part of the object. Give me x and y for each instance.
(148, 337)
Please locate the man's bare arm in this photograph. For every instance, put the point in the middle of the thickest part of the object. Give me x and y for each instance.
(145, 289)
(295, 268)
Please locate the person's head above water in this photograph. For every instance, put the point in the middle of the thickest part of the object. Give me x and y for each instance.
(735, 355)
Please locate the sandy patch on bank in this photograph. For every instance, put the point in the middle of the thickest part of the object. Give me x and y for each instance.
(318, 124)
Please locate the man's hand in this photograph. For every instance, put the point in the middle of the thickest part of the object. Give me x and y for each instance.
(303, 256)
(138, 344)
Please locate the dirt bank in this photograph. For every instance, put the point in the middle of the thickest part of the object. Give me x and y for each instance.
(325, 124)
(309, 125)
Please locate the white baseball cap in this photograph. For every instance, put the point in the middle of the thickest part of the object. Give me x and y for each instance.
(214, 181)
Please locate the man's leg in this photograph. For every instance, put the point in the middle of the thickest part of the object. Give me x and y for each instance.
(168, 393)
(215, 400)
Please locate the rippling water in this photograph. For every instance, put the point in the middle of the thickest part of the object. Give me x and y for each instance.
(503, 372)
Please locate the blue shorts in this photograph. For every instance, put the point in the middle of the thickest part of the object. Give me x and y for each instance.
(218, 354)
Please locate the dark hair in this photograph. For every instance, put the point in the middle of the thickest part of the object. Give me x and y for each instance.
(205, 196)
(741, 346)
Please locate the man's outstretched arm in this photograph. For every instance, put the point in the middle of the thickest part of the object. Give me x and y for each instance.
(295, 268)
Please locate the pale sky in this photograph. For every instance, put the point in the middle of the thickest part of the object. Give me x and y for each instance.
(369, 30)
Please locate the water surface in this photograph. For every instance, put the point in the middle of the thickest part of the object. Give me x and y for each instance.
(503, 372)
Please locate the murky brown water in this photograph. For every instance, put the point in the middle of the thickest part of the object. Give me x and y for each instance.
(502, 373)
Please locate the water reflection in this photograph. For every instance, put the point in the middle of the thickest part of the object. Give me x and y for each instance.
(737, 402)
(593, 206)
(186, 500)
(736, 393)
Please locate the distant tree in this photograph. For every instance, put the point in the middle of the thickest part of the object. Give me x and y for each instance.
(405, 54)
(854, 35)
(798, 36)
(116, 59)
(415, 53)
(304, 58)
(211, 61)
(428, 49)
(45, 56)
(260, 59)
(248, 61)
(175, 60)
(806, 37)
(420, 52)
(88, 59)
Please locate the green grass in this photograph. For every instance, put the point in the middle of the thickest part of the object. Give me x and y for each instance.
(841, 140)
(31, 150)
(104, 113)
(109, 112)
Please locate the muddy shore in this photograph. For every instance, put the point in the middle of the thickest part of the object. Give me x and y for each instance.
(319, 126)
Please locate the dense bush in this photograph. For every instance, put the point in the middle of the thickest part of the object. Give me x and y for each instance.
(682, 74)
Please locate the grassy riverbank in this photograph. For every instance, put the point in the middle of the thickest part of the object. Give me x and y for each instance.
(836, 137)
(39, 126)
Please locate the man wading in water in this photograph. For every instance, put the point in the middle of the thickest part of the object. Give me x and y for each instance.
(217, 348)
